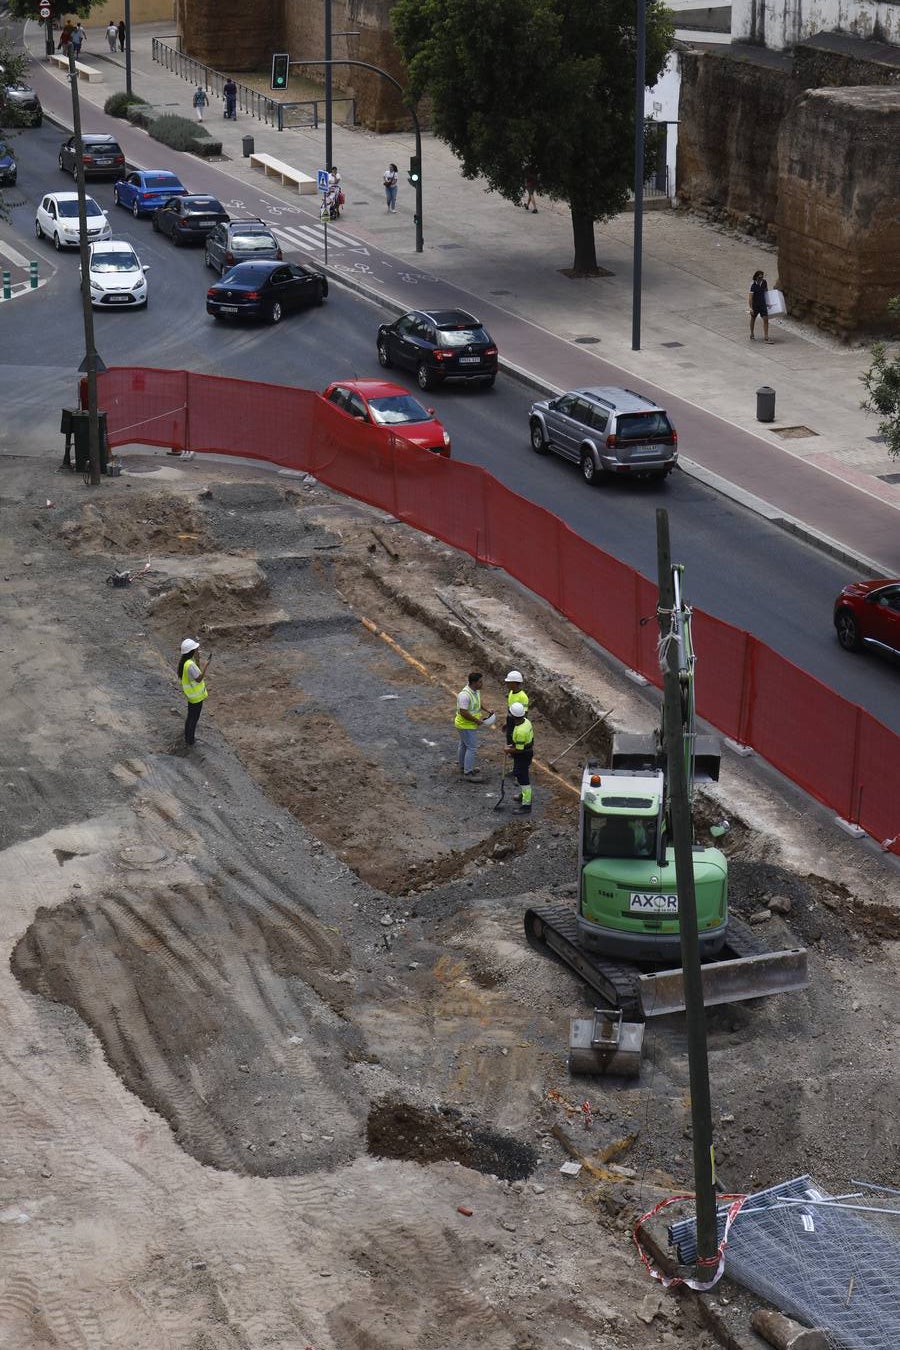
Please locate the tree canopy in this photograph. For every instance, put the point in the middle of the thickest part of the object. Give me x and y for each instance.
(882, 384)
(29, 9)
(543, 88)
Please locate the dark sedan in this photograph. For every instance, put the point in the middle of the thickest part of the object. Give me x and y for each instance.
(265, 290)
(867, 614)
(438, 345)
(188, 220)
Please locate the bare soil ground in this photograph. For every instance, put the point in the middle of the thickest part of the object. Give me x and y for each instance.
(278, 1067)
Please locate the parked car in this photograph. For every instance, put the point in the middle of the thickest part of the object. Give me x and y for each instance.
(237, 241)
(102, 156)
(867, 614)
(606, 430)
(19, 104)
(265, 290)
(57, 218)
(439, 344)
(144, 190)
(391, 409)
(117, 276)
(189, 219)
(8, 167)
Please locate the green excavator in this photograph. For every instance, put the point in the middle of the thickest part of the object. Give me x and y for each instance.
(623, 937)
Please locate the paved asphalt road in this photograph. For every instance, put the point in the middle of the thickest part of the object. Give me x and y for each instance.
(739, 567)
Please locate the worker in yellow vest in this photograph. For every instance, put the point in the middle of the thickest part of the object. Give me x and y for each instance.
(193, 684)
(469, 717)
(514, 694)
(522, 751)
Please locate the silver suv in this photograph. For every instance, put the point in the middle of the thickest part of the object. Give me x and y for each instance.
(19, 104)
(606, 431)
(236, 241)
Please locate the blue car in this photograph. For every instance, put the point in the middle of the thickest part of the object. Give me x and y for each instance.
(144, 190)
(7, 165)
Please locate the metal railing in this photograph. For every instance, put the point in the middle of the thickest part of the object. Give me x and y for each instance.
(250, 102)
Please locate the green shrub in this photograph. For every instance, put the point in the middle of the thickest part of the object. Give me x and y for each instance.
(179, 133)
(117, 104)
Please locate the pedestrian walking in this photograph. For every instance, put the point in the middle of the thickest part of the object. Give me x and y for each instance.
(336, 191)
(229, 92)
(530, 189)
(469, 717)
(65, 38)
(522, 750)
(193, 684)
(200, 101)
(78, 39)
(121, 35)
(514, 694)
(758, 305)
(390, 186)
(112, 36)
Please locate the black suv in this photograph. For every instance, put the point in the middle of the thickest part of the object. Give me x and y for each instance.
(19, 104)
(439, 344)
(103, 157)
(237, 241)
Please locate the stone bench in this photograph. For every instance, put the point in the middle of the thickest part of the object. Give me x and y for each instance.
(81, 70)
(276, 168)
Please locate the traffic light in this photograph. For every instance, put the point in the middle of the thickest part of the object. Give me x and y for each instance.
(281, 69)
(415, 170)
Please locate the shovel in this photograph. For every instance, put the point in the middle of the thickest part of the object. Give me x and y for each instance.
(498, 804)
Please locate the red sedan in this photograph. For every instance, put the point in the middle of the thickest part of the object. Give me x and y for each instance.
(867, 614)
(390, 406)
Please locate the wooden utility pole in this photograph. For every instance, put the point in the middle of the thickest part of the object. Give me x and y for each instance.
(677, 669)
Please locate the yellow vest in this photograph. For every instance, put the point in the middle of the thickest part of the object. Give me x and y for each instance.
(195, 691)
(461, 720)
(523, 735)
(520, 697)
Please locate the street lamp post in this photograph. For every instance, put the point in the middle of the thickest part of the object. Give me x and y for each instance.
(640, 79)
(128, 46)
(92, 362)
(367, 65)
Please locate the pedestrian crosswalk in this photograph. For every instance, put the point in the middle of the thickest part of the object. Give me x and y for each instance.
(311, 239)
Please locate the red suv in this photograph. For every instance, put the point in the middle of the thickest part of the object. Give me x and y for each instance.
(867, 614)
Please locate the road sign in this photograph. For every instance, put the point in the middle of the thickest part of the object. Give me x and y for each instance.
(44, 9)
(322, 180)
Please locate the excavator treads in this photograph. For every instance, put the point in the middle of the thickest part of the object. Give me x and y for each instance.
(728, 981)
(552, 929)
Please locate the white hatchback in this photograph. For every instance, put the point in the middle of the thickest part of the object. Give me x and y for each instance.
(117, 277)
(57, 218)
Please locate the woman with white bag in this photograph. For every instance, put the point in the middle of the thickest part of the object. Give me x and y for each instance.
(757, 304)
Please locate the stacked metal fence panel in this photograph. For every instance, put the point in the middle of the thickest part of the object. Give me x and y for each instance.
(833, 749)
(825, 1265)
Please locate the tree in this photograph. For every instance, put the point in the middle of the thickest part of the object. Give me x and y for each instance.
(28, 9)
(882, 383)
(537, 87)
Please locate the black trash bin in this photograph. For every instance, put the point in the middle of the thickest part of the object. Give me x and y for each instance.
(765, 404)
(249, 148)
(80, 422)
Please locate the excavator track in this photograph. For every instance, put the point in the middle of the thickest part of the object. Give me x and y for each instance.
(744, 969)
(552, 930)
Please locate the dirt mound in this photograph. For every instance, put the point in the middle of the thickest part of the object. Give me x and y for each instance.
(398, 1130)
(137, 524)
(238, 601)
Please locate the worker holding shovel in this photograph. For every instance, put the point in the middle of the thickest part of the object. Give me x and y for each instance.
(469, 717)
(522, 751)
(193, 683)
(515, 693)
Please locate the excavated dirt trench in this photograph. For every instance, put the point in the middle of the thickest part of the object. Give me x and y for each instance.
(302, 945)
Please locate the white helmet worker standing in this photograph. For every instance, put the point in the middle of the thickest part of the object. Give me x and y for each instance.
(521, 747)
(515, 693)
(193, 686)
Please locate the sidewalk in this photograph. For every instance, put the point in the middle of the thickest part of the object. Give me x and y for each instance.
(825, 475)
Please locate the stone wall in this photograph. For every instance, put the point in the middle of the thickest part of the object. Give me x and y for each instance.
(779, 24)
(230, 37)
(733, 102)
(837, 218)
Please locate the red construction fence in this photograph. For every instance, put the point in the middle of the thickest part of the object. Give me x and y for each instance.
(833, 749)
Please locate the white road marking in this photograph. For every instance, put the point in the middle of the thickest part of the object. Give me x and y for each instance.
(14, 257)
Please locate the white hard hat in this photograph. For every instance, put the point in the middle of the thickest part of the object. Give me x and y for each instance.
(514, 677)
(189, 645)
(517, 709)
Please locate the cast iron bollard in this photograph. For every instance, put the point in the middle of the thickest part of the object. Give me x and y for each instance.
(7, 285)
(33, 270)
(765, 404)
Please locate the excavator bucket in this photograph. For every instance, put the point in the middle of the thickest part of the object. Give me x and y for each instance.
(727, 981)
